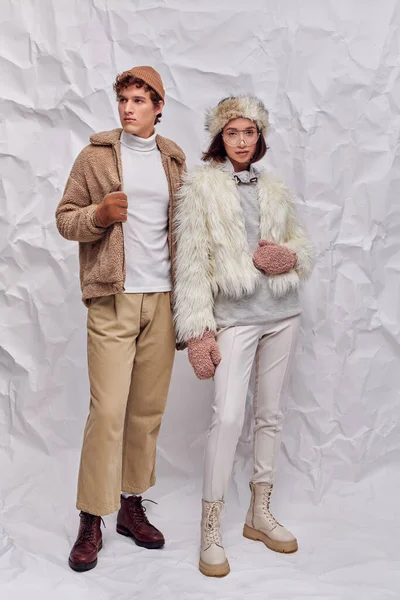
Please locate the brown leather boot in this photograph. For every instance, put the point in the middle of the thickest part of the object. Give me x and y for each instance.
(132, 522)
(83, 556)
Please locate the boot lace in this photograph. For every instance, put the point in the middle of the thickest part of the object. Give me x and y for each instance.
(266, 501)
(138, 511)
(211, 526)
(87, 532)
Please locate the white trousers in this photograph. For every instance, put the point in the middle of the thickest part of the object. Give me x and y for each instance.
(272, 348)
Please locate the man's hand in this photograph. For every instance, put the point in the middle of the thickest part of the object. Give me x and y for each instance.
(113, 209)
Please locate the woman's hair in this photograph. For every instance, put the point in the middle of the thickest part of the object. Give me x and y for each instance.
(216, 151)
(126, 80)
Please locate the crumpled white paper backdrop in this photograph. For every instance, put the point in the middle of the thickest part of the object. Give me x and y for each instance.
(329, 73)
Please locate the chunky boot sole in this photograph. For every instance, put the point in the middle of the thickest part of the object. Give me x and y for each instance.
(149, 545)
(82, 567)
(259, 536)
(214, 570)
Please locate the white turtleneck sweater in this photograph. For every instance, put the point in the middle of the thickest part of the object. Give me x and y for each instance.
(148, 264)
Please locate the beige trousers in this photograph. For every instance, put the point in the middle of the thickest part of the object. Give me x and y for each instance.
(131, 347)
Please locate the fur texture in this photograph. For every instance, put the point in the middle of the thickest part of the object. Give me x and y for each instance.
(212, 254)
(234, 107)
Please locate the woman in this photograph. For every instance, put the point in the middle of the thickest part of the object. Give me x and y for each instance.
(240, 257)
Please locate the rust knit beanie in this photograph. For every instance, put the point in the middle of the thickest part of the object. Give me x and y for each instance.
(151, 77)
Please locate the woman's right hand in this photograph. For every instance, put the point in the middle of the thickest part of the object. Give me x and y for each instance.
(204, 355)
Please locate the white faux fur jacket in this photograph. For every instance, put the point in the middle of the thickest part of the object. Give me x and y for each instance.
(212, 254)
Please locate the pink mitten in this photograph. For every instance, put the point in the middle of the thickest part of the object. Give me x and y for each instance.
(204, 355)
(273, 259)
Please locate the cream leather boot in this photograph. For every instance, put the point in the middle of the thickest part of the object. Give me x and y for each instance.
(262, 526)
(213, 562)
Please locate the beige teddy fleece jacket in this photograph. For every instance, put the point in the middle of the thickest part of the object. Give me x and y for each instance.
(96, 172)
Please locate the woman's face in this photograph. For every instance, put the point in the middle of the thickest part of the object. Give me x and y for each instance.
(240, 138)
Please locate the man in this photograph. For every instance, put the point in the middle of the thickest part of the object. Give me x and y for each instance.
(119, 204)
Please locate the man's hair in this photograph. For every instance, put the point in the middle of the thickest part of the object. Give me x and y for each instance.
(126, 80)
(216, 151)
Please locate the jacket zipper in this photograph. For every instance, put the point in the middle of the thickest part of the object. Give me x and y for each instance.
(167, 165)
(122, 229)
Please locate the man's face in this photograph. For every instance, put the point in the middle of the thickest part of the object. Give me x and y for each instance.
(137, 112)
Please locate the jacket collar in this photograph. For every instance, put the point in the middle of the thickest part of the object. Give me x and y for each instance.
(112, 138)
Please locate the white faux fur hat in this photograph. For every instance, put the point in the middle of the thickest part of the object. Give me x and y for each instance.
(235, 107)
